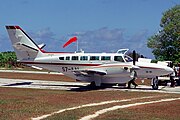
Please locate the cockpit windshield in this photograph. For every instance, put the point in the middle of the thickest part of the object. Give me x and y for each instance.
(127, 58)
(122, 51)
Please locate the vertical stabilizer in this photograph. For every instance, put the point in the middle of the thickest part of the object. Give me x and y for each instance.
(24, 47)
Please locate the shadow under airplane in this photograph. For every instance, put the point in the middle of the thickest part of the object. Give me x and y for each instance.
(80, 88)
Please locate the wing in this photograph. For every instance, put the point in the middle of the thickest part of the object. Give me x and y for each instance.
(88, 72)
(107, 69)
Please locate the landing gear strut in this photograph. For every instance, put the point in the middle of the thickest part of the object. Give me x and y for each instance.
(154, 83)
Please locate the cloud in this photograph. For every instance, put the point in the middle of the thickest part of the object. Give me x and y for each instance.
(46, 36)
(5, 44)
(43, 34)
(110, 40)
(138, 42)
(98, 40)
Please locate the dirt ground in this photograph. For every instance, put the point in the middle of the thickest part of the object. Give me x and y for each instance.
(30, 76)
(21, 103)
(27, 103)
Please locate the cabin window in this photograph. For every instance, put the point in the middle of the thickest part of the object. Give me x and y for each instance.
(118, 58)
(94, 57)
(61, 58)
(67, 58)
(74, 57)
(84, 58)
(105, 57)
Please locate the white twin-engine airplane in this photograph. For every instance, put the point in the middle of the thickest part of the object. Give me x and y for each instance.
(96, 68)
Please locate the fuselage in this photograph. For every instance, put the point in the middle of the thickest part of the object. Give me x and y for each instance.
(117, 66)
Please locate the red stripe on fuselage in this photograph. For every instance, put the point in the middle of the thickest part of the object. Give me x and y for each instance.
(60, 64)
(90, 64)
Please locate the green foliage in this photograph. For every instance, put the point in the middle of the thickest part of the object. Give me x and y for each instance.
(8, 59)
(166, 43)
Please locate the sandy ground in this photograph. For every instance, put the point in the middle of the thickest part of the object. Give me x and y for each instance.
(45, 80)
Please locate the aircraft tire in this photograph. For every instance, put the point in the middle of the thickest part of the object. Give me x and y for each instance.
(155, 85)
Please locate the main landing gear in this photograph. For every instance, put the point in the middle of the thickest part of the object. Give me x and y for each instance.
(154, 83)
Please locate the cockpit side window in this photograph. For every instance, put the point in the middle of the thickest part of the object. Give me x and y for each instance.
(118, 58)
(61, 58)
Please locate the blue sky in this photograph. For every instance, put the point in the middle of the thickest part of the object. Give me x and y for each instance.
(100, 25)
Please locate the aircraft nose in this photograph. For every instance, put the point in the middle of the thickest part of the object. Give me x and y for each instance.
(169, 70)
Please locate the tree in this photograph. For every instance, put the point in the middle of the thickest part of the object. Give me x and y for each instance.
(8, 59)
(166, 43)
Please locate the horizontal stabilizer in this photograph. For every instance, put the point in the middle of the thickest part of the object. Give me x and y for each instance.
(23, 47)
(35, 67)
(41, 46)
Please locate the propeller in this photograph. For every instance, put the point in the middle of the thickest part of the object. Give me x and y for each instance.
(134, 67)
(134, 57)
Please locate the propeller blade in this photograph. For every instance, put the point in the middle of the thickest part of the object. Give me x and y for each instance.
(134, 57)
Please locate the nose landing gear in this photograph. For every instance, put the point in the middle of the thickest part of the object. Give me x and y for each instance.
(154, 83)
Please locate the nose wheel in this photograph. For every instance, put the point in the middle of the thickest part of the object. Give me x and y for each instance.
(154, 83)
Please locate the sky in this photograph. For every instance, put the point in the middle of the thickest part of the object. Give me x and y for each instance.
(100, 25)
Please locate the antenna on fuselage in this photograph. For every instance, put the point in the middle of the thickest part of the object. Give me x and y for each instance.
(77, 45)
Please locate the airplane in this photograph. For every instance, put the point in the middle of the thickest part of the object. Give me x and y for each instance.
(95, 68)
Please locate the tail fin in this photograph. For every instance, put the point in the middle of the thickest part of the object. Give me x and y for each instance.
(23, 45)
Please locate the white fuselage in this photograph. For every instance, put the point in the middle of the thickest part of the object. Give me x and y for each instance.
(113, 63)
